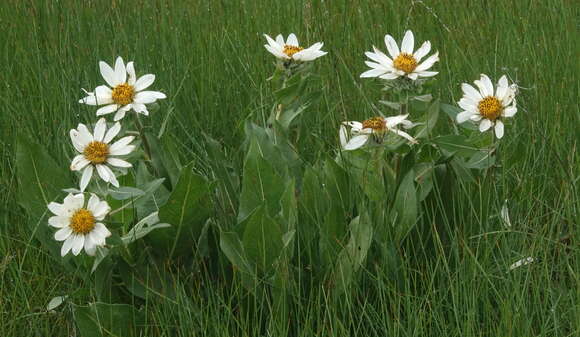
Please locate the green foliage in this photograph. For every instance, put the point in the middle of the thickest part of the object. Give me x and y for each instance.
(102, 319)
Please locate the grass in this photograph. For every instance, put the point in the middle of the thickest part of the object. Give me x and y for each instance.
(209, 59)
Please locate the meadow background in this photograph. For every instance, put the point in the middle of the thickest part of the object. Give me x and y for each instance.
(209, 59)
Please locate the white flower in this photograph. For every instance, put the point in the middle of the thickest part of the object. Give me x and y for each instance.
(485, 107)
(124, 93)
(95, 151)
(79, 225)
(291, 50)
(402, 62)
(374, 127)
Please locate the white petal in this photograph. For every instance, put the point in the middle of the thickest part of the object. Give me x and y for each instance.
(356, 142)
(108, 74)
(101, 230)
(67, 245)
(78, 244)
(121, 151)
(428, 63)
(101, 210)
(271, 41)
(392, 46)
(118, 162)
(86, 177)
(485, 86)
(404, 135)
(278, 53)
(63, 233)
(467, 104)
(471, 92)
(79, 162)
(413, 76)
(59, 221)
(120, 70)
(90, 100)
(140, 108)
(427, 73)
(100, 128)
(292, 40)
(83, 135)
(103, 172)
(422, 51)
(390, 76)
(509, 111)
(112, 133)
(107, 109)
(131, 73)
(395, 120)
(93, 203)
(476, 117)
(355, 125)
(484, 125)
(57, 209)
(408, 43)
(104, 95)
(77, 201)
(498, 129)
(373, 73)
(112, 177)
(342, 135)
(144, 82)
(464, 116)
(90, 247)
(119, 115)
(280, 40)
(120, 145)
(147, 97)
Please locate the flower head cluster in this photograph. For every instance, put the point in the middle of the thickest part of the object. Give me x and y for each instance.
(125, 91)
(79, 224)
(373, 128)
(486, 106)
(403, 62)
(290, 50)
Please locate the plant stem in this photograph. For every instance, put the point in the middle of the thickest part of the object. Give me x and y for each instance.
(143, 138)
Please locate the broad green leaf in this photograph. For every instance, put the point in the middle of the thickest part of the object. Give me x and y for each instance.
(429, 122)
(461, 170)
(55, 302)
(102, 319)
(186, 210)
(232, 247)
(455, 144)
(40, 182)
(354, 254)
(406, 206)
(481, 160)
(424, 179)
(262, 240)
(261, 185)
(125, 192)
(163, 159)
(143, 227)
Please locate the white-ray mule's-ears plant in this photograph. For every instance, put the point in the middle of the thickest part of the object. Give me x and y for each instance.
(80, 225)
(96, 153)
(125, 91)
(373, 128)
(290, 50)
(486, 107)
(403, 62)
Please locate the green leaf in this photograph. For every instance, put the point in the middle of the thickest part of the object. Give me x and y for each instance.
(40, 182)
(424, 179)
(102, 319)
(232, 247)
(406, 206)
(143, 227)
(262, 240)
(125, 192)
(260, 184)
(429, 122)
(186, 210)
(455, 144)
(55, 302)
(354, 254)
(481, 160)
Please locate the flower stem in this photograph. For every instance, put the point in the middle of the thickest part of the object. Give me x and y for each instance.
(143, 138)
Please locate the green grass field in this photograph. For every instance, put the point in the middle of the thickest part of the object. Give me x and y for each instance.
(209, 59)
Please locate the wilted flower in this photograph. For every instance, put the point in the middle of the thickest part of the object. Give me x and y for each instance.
(79, 225)
(376, 127)
(95, 151)
(403, 62)
(291, 50)
(485, 107)
(124, 93)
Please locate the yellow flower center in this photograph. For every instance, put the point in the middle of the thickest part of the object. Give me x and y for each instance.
(376, 123)
(405, 62)
(490, 108)
(82, 222)
(123, 94)
(96, 152)
(291, 50)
